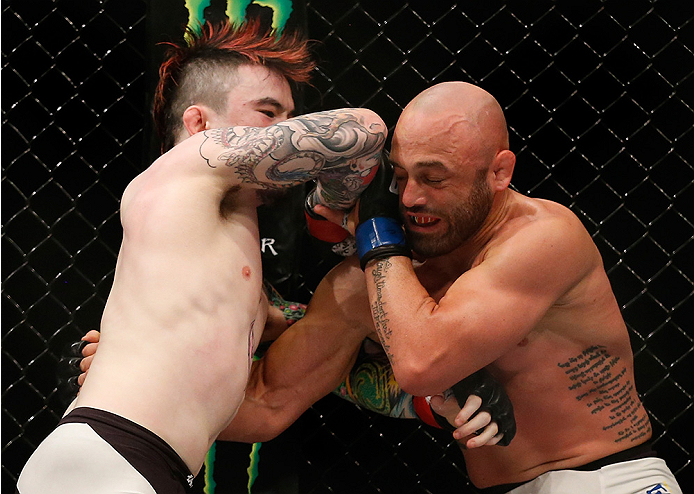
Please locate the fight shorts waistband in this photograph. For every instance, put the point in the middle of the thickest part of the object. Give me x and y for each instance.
(644, 450)
(148, 453)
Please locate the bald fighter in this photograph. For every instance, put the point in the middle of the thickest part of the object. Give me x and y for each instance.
(507, 282)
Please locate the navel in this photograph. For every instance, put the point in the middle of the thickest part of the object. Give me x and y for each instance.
(523, 342)
(246, 272)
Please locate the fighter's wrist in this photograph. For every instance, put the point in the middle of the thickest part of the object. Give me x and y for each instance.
(380, 237)
(318, 226)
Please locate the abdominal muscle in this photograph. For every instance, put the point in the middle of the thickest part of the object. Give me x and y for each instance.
(174, 350)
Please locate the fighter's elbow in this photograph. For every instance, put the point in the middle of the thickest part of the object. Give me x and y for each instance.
(373, 122)
(262, 428)
(269, 431)
(416, 378)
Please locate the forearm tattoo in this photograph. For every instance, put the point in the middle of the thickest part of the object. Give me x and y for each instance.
(378, 307)
(336, 147)
(600, 381)
(342, 180)
(260, 156)
(371, 385)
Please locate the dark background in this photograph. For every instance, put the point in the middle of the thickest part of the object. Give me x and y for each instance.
(598, 96)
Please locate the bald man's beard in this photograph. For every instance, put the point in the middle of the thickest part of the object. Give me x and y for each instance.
(464, 220)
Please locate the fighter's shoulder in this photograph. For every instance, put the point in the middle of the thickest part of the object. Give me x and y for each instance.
(554, 220)
(543, 231)
(557, 236)
(176, 168)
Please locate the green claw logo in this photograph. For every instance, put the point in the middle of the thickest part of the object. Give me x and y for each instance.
(236, 11)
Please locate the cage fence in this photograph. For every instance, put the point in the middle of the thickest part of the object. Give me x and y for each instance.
(598, 97)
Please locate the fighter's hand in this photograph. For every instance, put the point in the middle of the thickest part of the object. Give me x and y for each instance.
(378, 222)
(73, 366)
(471, 403)
(471, 432)
(324, 228)
(494, 400)
(330, 226)
(90, 343)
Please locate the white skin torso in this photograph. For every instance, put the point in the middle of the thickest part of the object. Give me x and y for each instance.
(186, 301)
(185, 307)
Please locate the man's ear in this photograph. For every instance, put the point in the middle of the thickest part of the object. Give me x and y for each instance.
(196, 119)
(504, 163)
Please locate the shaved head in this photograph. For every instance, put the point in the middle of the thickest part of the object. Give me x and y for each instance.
(456, 112)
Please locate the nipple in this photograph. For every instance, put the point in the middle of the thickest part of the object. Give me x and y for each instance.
(246, 272)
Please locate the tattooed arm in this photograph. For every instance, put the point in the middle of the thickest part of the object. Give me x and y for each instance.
(370, 384)
(339, 148)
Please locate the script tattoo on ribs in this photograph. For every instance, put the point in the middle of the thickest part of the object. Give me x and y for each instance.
(602, 384)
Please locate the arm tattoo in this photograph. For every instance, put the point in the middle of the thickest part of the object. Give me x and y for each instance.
(336, 147)
(378, 309)
(261, 156)
(600, 381)
(342, 180)
(371, 385)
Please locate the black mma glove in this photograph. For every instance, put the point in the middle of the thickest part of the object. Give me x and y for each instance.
(379, 232)
(68, 371)
(494, 400)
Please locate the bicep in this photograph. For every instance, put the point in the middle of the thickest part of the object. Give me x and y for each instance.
(511, 290)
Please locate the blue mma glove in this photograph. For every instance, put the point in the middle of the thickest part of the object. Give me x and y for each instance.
(379, 233)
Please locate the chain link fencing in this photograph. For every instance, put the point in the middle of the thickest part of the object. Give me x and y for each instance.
(599, 100)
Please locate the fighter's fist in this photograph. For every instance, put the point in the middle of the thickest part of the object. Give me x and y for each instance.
(477, 405)
(376, 219)
(495, 401)
(320, 227)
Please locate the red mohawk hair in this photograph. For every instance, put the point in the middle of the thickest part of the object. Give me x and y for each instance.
(187, 76)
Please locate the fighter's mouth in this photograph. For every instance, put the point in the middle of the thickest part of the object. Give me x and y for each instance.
(422, 220)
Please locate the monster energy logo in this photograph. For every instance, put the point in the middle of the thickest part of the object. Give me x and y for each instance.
(236, 12)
